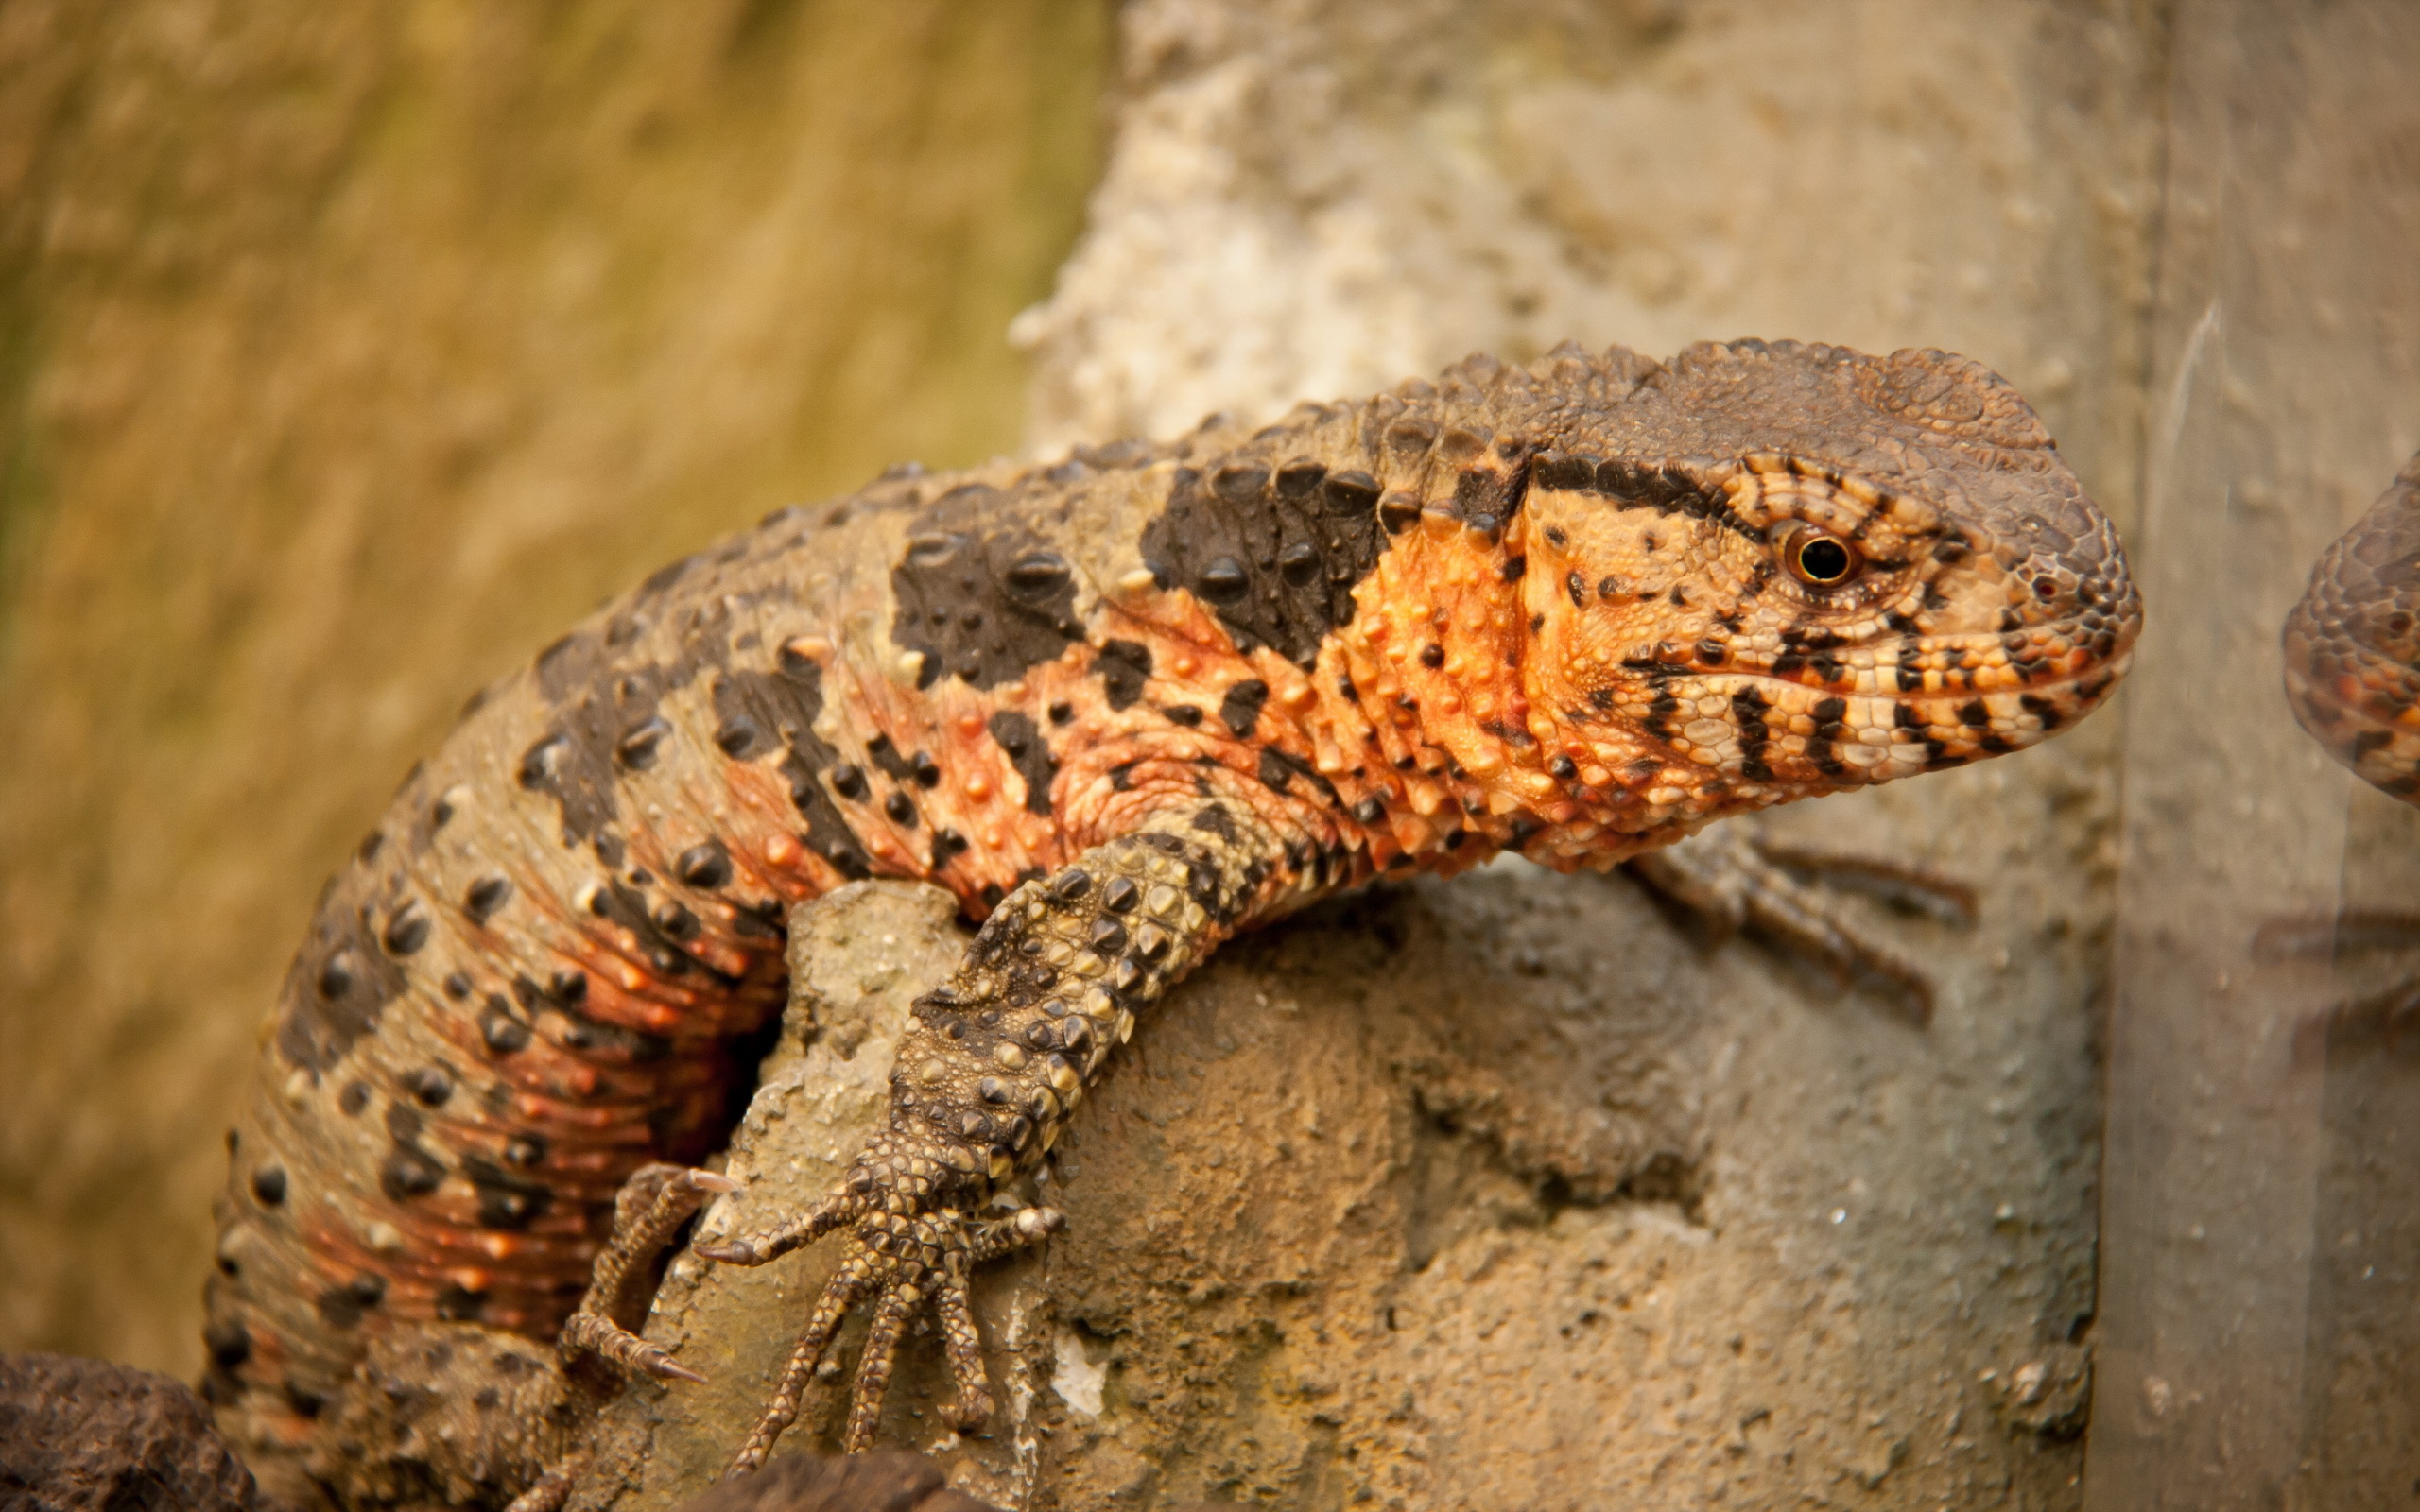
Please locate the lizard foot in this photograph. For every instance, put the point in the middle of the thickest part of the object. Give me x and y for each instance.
(914, 1243)
(1732, 879)
(651, 1206)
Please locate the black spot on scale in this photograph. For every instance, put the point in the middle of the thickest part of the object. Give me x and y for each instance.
(1275, 556)
(337, 987)
(706, 865)
(1659, 714)
(742, 739)
(269, 1185)
(407, 929)
(980, 593)
(785, 701)
(342, 1306)
(506, 1202)
(1240, 709)
(480, 903)
(229, 1341)
(1123, 666)
(433, 1086)
(1029, 754)
(1486, 496)
(605, 722)
(886, 758)
(502, 1032)
(1278, 768)
(636, 750)
(408, 1170)
(457, 1303)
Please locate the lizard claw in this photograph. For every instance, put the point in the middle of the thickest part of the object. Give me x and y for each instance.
(653, 1204)
(912, 1245)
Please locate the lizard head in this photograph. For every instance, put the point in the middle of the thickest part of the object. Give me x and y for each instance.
(1769, 571)
(2352, 646)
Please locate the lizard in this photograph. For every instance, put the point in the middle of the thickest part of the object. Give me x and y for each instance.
(2351, 669)
(2352, 643)
(1123, 705)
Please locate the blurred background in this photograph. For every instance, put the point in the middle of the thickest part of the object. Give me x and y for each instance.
(347, 352)
(351, 351)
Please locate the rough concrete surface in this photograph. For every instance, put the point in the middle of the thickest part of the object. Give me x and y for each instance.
(883, 1481)
(1492, 1194)
(85, 1435)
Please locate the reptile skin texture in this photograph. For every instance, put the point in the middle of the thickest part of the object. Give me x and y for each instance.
(2353, 643)
(1123, 706)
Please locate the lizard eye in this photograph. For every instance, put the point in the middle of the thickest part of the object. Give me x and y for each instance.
(1820, 557)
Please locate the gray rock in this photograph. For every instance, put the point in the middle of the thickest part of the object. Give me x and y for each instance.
(85, 1435)
(884, 1480)
(1456, 1193)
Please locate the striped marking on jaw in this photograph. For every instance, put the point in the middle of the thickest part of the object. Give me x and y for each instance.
(1757, 729)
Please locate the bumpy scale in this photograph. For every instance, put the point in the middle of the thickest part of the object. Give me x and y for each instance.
(1123, 706)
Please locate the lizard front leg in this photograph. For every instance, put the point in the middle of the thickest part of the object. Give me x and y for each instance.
(1000, 1055)
(1733, 878)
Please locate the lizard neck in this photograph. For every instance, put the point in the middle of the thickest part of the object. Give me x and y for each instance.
(1445, 664)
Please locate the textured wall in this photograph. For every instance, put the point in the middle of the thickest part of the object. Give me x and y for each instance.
(344, 353)
(1877, 1282)
(347, 351)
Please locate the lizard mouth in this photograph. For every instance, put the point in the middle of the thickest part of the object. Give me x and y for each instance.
(1864, 726)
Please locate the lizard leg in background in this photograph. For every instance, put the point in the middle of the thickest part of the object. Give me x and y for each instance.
(650, 1208)
(2387, 1013)
(1732, 878)
(1000, 1055)
(464, 1413)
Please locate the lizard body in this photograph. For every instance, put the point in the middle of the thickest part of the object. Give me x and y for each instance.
(1123, 707)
